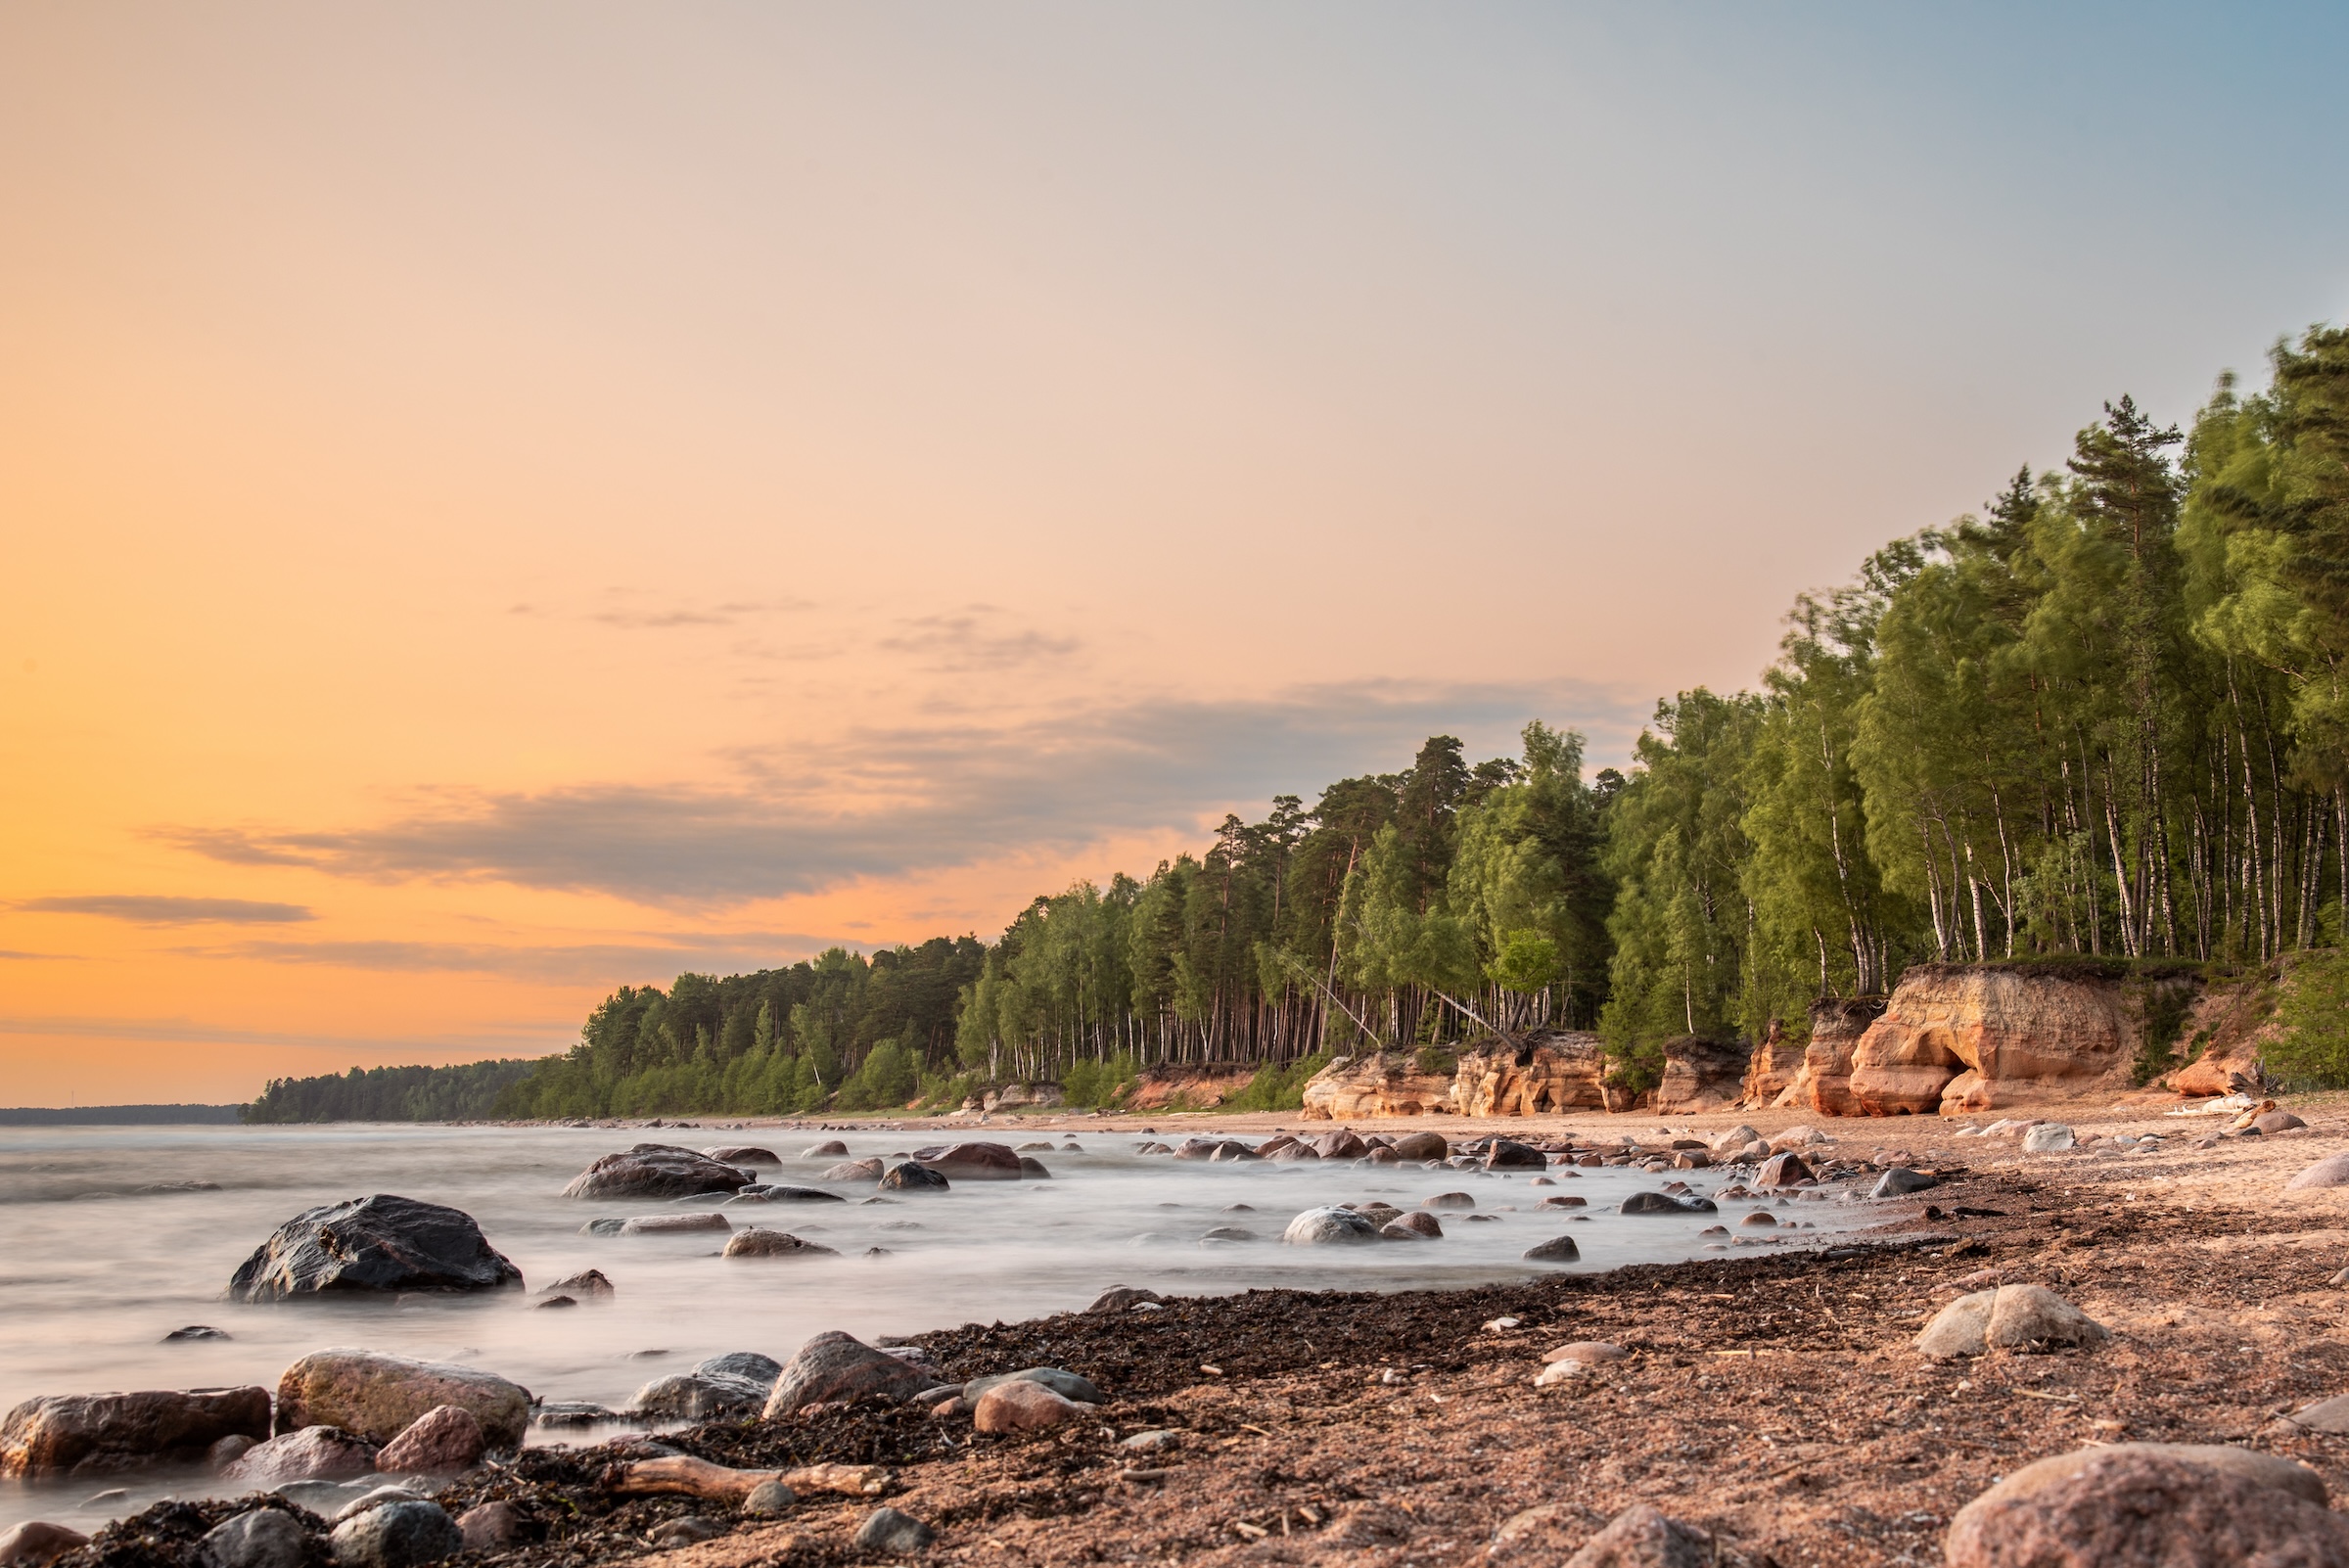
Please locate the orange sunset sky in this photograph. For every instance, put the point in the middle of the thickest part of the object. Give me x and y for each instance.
(501, 501)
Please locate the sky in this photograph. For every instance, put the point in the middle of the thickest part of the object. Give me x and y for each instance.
(503, 501)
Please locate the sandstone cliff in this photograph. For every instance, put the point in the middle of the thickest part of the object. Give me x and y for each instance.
(1823, 1082)
(1702, 1074)
(1772, 1067)
(1381, 1084)
(1555, 1069)
(1958, 1037)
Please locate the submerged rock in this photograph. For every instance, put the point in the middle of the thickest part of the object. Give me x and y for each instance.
(760, 1242)
(972, 1161)
(377, 1244)
(1328, 1227)
(655, 1171)
(1558, 1248)
(911, 1177)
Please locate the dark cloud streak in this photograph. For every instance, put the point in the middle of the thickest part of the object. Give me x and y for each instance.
(942, 796)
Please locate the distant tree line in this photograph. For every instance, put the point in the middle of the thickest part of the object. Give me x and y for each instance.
(2104, 717)
(467, 1092)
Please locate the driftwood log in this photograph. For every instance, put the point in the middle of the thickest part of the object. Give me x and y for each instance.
(681, 1474)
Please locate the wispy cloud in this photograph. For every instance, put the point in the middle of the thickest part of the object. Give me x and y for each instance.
(927, 799)
(524, 1039)
(148, 910)
(977, 637)
(600, 963)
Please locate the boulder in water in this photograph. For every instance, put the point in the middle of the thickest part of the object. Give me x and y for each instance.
(378, 1395)
(855, 1170)
(742, 1154)
(444, 1440)
(1329, 1226)
(908, 1176)
(1667, 1203)
(829, 1149)
(382, 1243)
(1507, 1154)
(656, 1224)
(1420, 1146)
(96, 1434)
(771, 1194)
(758, 1241)
(972, 1161)
(655, 1171)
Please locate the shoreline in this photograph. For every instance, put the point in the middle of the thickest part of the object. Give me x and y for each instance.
(1769, 1397)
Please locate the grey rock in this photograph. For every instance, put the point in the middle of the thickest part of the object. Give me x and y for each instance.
(311, 1454)
(829, 1149)
(258, 1537)
(371, 1246)
(1448, 1200)
(769, 1500)
(684, 1532)
(1155, 1441)
(398, 1534)
(1229, 1234)
(2329, 1171)
(855, 1170)
(1120, 1298)
(908, 1176)
(1329, 1226)
(699, 1396)
(1067, 1384)
(771, 1194)
(196, 1331)
(888, 1530)
(759, 1241)
(1507, 1154)
(1901, 1180)
(742, 1154)
(1558, 1248)
(749, 1365)
(2047, 1138)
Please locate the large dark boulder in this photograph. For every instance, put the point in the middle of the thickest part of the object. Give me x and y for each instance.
(1507, 1154)
(373, 1244)
(907, 1176)
(837, 1368)
(95, 1434)
(973, 1162)
(656, 1170)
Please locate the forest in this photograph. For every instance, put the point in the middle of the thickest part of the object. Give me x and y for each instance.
(2103, 715)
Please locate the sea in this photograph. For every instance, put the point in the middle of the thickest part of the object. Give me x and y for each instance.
(112, 1237)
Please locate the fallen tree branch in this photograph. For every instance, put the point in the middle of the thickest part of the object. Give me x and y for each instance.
(680, 1474)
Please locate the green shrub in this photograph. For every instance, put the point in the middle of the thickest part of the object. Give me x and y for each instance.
(890, 1076)
(2162, 1015)
(1089, 1084)
(1278, 1089)
(2311, 1052)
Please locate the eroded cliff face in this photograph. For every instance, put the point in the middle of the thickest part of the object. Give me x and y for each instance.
(1381, 1084)
(1956, 1037)
(1556, 1070)
(1823, 1082)
(1772, 1070)
(1702, 1074)
(1542, 1073)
